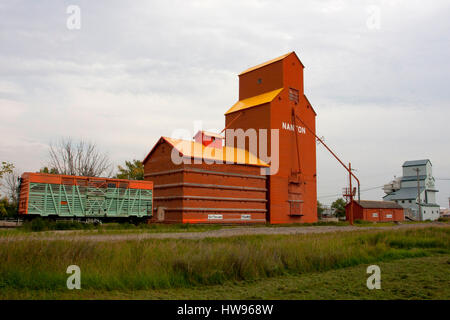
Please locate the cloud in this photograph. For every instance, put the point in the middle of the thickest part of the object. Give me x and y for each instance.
(139, 70)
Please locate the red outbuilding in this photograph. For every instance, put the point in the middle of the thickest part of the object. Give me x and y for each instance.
(376, 211)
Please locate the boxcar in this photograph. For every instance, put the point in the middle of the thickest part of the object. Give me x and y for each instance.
(63, 196)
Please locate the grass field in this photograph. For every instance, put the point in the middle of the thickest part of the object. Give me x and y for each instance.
(247, 265)
(401, 279)
(44, 228)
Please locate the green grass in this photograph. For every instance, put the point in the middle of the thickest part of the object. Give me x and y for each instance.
(175, 263)
(45, 227)
(400, 279)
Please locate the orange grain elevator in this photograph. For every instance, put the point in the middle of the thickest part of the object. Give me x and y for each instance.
(271, 96)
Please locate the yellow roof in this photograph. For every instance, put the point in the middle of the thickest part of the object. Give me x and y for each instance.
(222, 155)
(266, 63)
(254, 101)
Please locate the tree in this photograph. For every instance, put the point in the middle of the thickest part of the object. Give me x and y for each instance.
(10, 186)
(78, 158)
(134, 170)
(320, 209)
(7, 209)
(47, 170)
(5, 168)
(339, 206)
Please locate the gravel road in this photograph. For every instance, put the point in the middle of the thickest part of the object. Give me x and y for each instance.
(225, 232)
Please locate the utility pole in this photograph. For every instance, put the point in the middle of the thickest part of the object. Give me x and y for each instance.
(351, 192)
(418, 194)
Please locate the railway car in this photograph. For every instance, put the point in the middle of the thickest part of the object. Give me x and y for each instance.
(83, 198)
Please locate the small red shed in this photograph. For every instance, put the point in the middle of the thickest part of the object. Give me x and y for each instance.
(376, 211)
(209, 139)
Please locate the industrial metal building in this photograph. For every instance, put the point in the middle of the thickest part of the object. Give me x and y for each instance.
(416, 185)
(235, 189)
(271, 97)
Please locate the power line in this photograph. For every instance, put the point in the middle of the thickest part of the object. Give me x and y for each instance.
(340, 194)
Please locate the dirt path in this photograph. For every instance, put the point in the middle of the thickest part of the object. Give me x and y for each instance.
(226, 232)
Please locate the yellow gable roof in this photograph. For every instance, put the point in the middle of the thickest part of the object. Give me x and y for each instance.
(254, 101)
(266, 63)
(222, 155)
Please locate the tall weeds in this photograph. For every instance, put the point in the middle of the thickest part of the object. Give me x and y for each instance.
(171, 263)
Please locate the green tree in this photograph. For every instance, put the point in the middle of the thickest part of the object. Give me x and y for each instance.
(320, 209)
(47, 170)
(8, 186)
(6, 168)
(133, 170)
(339, 206)
(7, 208)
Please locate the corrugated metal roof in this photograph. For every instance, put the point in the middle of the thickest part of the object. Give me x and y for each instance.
(254, 101)
(415, 163)
(266, 63)
(226, 154)
(370, 204)
(403, 194)
(414, 178)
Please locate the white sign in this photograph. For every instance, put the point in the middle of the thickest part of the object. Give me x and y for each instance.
(389, 216)
(246, 216)
(375, 214)
(291, 127)
(215, 217)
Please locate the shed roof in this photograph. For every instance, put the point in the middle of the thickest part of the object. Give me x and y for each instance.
(403, 194)
(270, 62)
(412, 163)
(209, 134)
(371, 204)
(254, 101)
(197, 150)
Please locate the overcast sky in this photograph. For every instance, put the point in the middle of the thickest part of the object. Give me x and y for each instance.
(377, 74)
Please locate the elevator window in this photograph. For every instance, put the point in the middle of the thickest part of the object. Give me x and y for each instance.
(293, 95)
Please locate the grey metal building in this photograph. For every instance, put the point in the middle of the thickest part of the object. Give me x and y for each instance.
(405, 190)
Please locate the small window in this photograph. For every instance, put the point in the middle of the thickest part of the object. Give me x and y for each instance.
(410, 201)
(259, 80)
(403, 201)
(293, 95)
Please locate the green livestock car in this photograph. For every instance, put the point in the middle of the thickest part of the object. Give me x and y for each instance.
(84, 197)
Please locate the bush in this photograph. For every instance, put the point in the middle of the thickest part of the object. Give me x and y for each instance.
(40, 224)
(358, 221)
(7, 208)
